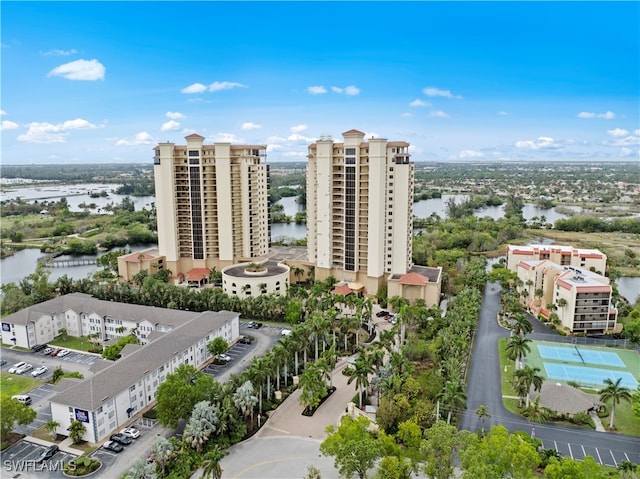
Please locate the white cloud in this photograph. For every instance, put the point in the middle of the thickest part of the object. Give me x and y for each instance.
(80, 70)
(225, 85)
(406, 114)
(628, 152)
(470, 154)
(44, 132)
(609, 115)
(503, 113)
(226, 138)
(250, 126)
(295, 154)
(350, 90)
(419, 103)
(316, 90)
(432, 91)
(636, 132)
(439, 114)
(273, 147)
(195, 88)
(617, 132)
(170, 125)
(297, 138)
(8, 125)
(298, 128)
(2, 112)
(60, 53)
(276, 139)
(174, 115)
(142, 138)
(541, 143)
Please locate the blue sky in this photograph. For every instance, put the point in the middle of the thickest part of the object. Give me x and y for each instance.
(106, 81)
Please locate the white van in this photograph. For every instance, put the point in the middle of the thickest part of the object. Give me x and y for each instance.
(23, 398)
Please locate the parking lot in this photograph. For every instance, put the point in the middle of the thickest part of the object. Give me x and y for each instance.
(19, 460)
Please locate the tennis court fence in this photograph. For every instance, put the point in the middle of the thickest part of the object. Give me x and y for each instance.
(585, 341)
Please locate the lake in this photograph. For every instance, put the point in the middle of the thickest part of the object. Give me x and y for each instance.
(77, 195)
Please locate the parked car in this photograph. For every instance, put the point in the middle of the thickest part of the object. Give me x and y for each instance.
(285, 332)
(3, 362)
(23, 369)
(16, 366)
(121, 439)
(258, 326)
(382, 313)
(48, 453)
(245, 340)
(23, 398)
(55, 351)
(39, 370)
(47, 351)
(38, 347)
(131, 432)
(252, 325)
(63, 352)
(113, 446)
(224, 357)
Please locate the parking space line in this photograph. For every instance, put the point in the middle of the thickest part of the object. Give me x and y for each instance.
(625, 455)
(584, 453)
(598, 453)
(570, 452)
(615, 463)
(555, 445)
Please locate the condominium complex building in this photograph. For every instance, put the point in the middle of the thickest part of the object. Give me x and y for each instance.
(566, 281)
(359, 209)
(211, 203)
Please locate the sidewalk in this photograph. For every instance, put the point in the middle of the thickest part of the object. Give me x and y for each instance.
(64, 446)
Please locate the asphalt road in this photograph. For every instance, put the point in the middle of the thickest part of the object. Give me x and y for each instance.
(483, 388)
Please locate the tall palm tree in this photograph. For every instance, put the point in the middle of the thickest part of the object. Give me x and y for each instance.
(317, 327)
(483, 412)
(453, 397)
(211, 468)
(360, 372)
(530, 378)
(616, 393)
(517, 347)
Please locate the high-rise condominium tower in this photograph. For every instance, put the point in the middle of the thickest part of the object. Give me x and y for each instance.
(359, 209)
(211, 203)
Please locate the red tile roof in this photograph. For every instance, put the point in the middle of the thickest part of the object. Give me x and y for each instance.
(352, 132)
(343, 289)
(197, 274)
(135, 257)
(194, 135)
(413, 278)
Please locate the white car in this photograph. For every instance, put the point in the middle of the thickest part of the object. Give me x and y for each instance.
(224, 357)
(39, 370)
(285, 332)
(131, 432)
(24, 369)
(63, 352)
(13, 369)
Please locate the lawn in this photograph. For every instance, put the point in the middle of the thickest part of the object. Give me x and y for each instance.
(12, 384)
(71, 342)
(506, 373)
(625, 422)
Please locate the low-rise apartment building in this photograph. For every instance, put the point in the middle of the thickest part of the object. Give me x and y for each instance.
(106, 401)
(579, 295)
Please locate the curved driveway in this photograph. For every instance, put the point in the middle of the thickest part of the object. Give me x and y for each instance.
(484, 388)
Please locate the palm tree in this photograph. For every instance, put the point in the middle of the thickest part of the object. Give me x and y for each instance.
(211, 463)
(76, 431)
(317, 327)
(517, 347)
(616, 393)
(520, 324)
(141, 470)
(51, 426)
(196, 434)
(360, 373)
(162, 453)
(536, 413)
(245, 399)
(529, 377)
(483, 412)
(453, 397)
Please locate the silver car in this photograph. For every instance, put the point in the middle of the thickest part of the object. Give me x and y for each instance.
(23, 369)
(39, 370)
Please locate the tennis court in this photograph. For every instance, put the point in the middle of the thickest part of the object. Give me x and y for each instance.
(576, 354)
(588, 376)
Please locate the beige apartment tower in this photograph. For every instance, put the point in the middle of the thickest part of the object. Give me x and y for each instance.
(212, 204)
(359, 209)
